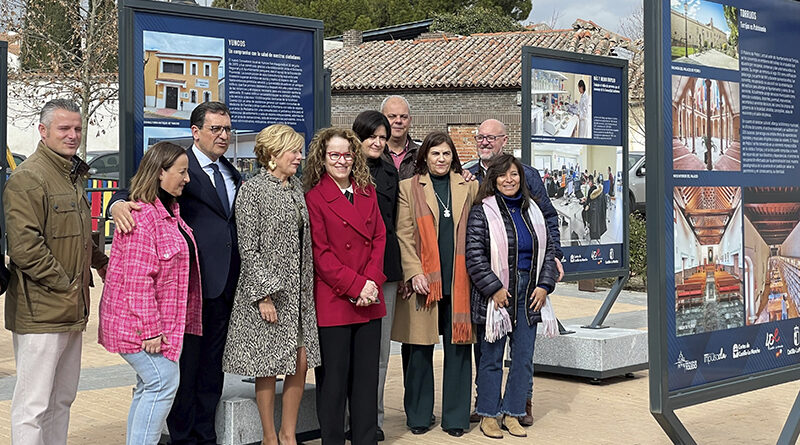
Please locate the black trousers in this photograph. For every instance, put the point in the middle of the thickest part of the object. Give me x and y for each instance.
(349, 373)
(456, 379)
(191, 420)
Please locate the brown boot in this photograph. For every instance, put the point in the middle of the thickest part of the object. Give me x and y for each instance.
(474, 417)
(514, 428)
(490, 428)
(527, 419)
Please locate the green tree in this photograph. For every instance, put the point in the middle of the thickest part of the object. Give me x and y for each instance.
(516, 9)
(732, 17)
(477, 19)
(638, 246)
(48, 17)
(341, 15)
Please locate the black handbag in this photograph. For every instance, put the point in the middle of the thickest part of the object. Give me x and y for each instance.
(5, 275)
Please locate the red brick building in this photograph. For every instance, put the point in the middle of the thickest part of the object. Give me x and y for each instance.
(453, 83)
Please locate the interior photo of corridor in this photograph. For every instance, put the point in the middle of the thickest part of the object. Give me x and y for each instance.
(705, 124)
(772, 253)
(708, 259)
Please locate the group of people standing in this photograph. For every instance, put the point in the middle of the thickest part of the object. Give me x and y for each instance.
(380, 240)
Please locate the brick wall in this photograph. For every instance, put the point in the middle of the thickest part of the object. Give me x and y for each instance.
(463, 137)
(458, 112)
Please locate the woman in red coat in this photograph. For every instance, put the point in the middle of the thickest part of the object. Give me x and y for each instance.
(348, 238)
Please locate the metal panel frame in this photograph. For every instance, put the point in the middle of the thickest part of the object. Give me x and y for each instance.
(127, 10)
(664, 402)
(532, 51)
(3, 137)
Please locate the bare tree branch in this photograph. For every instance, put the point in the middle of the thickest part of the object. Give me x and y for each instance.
(81, 67)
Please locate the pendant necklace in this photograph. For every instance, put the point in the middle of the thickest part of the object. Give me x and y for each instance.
(446, 208)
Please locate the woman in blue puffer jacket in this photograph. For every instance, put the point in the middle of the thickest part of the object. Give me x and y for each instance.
(510, 259)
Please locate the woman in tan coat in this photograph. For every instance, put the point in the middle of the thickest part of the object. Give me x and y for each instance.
(273, 327)
(432, 212)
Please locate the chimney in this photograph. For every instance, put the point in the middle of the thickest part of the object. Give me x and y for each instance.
(352, 37)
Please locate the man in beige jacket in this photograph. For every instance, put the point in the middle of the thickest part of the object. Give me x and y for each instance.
(47, 302)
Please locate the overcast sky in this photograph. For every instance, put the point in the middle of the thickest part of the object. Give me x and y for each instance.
(606, 13)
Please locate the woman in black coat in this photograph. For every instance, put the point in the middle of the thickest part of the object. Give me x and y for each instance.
(510, 259)
(373, 129)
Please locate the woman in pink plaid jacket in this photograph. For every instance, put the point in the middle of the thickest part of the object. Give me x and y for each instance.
(152, 290)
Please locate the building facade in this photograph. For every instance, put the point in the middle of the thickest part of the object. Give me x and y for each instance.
(700, 35)
(453, 83)
(180, 81)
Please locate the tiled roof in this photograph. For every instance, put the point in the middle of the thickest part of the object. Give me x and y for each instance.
(476, 61)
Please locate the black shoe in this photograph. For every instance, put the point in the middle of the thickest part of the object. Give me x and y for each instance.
(417, 430)
(348, 435)
(379, 436)
(433, 419)
(455, 432)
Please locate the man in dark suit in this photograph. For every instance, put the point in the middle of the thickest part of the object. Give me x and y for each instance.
(207, 206)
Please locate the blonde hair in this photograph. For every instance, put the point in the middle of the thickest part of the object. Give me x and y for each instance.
(145, 183)
(315, 163)
(274, 141)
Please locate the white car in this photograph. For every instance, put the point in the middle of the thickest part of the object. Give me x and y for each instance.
(636, 181)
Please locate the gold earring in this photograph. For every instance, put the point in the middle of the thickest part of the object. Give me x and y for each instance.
(272, 165)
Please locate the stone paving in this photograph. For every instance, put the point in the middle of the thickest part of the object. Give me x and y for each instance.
(566, 410)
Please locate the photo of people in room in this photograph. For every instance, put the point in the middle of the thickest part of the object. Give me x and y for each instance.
(708, 259)
(704, 33)
(772, 253)
(583, 184)
(561, 105)
(705, 124)
(176, 81)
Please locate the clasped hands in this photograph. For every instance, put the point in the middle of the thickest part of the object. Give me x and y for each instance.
(539, 297)
(368, 295)
(418, 284)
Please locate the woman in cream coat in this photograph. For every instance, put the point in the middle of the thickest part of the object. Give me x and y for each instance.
(432, 212)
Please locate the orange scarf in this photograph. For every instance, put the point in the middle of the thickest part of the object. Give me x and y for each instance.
(426, 237)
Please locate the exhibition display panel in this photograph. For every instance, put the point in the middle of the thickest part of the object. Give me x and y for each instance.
(723, 203)
(574, 122)
(267, 69)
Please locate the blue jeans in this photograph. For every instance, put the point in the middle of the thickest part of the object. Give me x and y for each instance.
(490, 368)
(157, 381)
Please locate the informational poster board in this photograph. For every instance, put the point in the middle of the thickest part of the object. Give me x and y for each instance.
(267, 69)
(574, 117)
(723, 197)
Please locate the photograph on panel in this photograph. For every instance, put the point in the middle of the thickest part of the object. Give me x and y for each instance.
(704, 33)
(583, 183)
(181, 72)
(706, 119)
(561, 104)
(241, 152)
(708, 259)
(772, 253)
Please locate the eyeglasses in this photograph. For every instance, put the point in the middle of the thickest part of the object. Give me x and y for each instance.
(217, 129)
(488, 137)
(335, 156)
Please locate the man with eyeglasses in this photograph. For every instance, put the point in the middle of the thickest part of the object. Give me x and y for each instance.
(207, 206)
(491, 139)
(401, 150)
